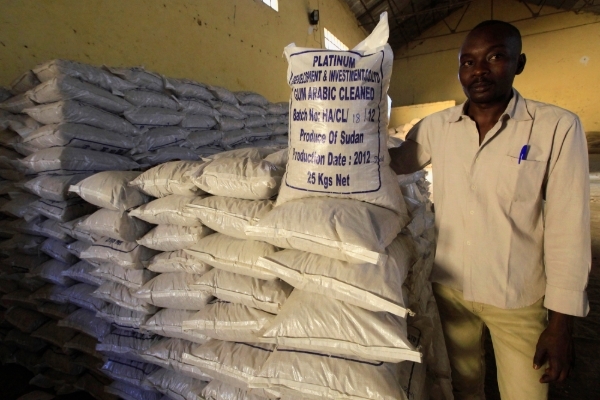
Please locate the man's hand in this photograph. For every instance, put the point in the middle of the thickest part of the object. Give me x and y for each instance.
(555, 346)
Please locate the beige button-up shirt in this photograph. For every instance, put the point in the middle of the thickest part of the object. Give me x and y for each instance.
(512, 214)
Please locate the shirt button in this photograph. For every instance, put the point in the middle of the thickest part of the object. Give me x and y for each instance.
(468, 242)
(471, 212)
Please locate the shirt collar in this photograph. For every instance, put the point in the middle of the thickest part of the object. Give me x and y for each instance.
(516, 109)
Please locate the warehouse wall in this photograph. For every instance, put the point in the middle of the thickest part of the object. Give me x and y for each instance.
(234, 43)
(563, 59)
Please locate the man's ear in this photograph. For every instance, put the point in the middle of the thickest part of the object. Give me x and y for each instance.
(521, 63)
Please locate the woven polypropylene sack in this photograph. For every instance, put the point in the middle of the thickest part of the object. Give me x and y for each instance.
(123, 317)
(130, 392)
(173, 237)
(233, 255)
(67, 88)
(24, 341)
(241, 178)
(70, 160)
(79, 113)
(313, 375)
(57, 250)
(81, 294)
(169, 323)
(149, 98)
(51, 271)
(83, 343)
(110, 190)
(173, 290)
(169, 210)
(345, 229)
(79, 136)
(264, 295)
(71, 228)
(158, 138)
(176, 386)
(168, 352)
(170, 178)
(127, 342)
(139, 77)
(26, 321)
(57, 311)
(370, 286)
(217, 390)
(128, 371)
(54, 334)
(230, 321)
(153, 116)
(88, 73)
(52, 229)
(121, 295)
(132, 278)
(125, 254)
(229, 215)
(338, 123)
(63, 211)
(334, 327)
(177, 261)
(115, 225)
(230, 362)
(53, 187)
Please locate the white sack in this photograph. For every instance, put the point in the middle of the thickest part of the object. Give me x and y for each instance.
(54, 68)
(79, 136)
(52, 229)
(157, 138)
(125, 254)
(241, 178)
(173, 237)
(230, 321)
(177, 261)
(68, 88)
(71, 228)
(217, 390)
(131, 278)
(229, 215)
(186, 88)
(85, 321)
(264, 295)
(82, 272)
(167, 353)
(197, 107)
(168, 322)
(172, 290)
(348, 230)
(70, 160)
(123, 317)
(80, 294)
(169, 210)
(129, 392)
(17, 104)
(57, 250)
(153, 116)
(176, 386)
(19, 206)
(325, 325)
(115, 225)
(79, 113)
(127, 343)
(149, 98)
(110, 190)
(370, 286)
(53, 187)
(230, 362)
(338, 128)
(234, 255)
(23, 83)
(128, 371)
(312, 375)
(120, 295)
(51, 271)
(77, 247)
(201, 138)
(63, 211)
(170, 178)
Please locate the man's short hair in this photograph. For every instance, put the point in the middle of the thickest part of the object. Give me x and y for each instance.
(510, 28)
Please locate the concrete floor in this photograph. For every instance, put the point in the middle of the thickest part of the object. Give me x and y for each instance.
(584, 380)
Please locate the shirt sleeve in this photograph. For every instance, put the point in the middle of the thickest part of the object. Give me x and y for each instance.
(420, 133)
(567, 241)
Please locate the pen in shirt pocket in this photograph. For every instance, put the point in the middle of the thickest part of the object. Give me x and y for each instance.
(523, 154)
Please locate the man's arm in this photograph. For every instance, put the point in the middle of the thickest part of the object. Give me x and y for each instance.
(406, 158)
(567, 250)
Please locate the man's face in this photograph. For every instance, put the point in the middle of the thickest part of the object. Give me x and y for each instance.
(488, 62)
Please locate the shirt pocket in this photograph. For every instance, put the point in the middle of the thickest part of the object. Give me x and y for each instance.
(520, 181)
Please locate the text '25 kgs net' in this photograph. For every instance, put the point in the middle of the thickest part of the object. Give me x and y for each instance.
(338, 123)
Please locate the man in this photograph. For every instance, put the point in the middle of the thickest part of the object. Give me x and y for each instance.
(512, 218)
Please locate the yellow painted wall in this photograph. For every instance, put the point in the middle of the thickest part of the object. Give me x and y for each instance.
(563, 59)
(233, 43)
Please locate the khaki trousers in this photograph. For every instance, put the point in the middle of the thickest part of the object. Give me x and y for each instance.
(514, 335)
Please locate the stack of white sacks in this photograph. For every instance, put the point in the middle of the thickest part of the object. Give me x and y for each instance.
(71, 267)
